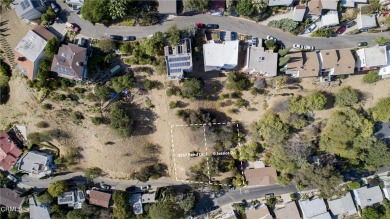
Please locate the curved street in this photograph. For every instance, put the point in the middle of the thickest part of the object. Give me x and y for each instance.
(225, 23)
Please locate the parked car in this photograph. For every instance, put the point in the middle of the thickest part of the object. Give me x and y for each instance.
(55, 7)
(255, 40)
(297, 46)
(341, 30)
(105, 186)
(309, 48)
(116, 37)
(269, 195)
(143, 188)
(212, 26)
(271, 38)
(351, 24)
(362, 44)
(12, 178)
(129, 38)
(200, 25)
(82, 42)
(311, 27)
(72, 26)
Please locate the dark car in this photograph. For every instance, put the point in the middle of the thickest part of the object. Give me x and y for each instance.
(362, 44)
(200, 25)
(55, 7)
(212, 26)
(341, 30)
(116, 37)
(129, 38)
(351, 24)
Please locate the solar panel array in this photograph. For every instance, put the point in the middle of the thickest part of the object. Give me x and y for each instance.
(179, 64)
(179, 59)
(68, 198)
(81, 195)
(175, 70)
(25, 4)
(64, 70)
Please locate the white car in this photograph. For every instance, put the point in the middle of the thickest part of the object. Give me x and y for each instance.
(12, 178)
(311, 28)
(309, 48)
(297, 46)
(271, 38)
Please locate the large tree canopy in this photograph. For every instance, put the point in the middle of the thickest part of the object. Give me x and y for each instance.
(272, 130)
(165, 210)
(96, 11)
(311, 102)
(381, 111)
(55, 189)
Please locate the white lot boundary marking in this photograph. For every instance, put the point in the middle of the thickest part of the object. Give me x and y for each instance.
(206, 146)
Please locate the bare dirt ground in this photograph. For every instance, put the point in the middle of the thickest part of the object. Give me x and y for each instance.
(16, 29)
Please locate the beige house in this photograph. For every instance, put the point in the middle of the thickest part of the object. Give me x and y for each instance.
(303, 64)
(261, 176)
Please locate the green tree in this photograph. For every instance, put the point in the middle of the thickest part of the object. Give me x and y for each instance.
(103, 93)
(371, 77)
(120, 121)
(122, 208)
(188, 203)
(371, 213)
(56, 188)
(173, 35)
(381, 110)
(353, 185)
(96, 11)
(377, 156)
(314, 101)
(245, 8)
(271, 129)
(196, 5)
(75, 214)
(93, 173)
(382, 40)
(51, 47)
(322, 33)
(155, 45)
(106, 45)
(283, 52)
(122, 82)
(347, 96)
(247, 152)
(191, 88)
(283, 61)
(45, 198)
(237, 82)
(165, 210)
(49, 15)
(117, 8)
(125, 48)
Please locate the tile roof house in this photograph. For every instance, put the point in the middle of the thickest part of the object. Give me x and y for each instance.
(289, 211)
(37, 210)
(303, 64)
(260, 213)
(30, 51)
(9, 152)
(261, 61)
(167, 7)
(70, 62)
(312, 208)
(36, 164)
(365, 22)
(351, 3)
(371, 58)
(10, 198)
(315, 7)
(367, 196)
(29, 9)
(330, 19)
(178, 60)
(261, 176)
(218, 56)
(299, 13)
(280, 2)
(337, 62)
(73, 199)
(98, 198)
(343, 206)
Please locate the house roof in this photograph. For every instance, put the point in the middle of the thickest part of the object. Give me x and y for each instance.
(69, 61)
(167, 6)
(372, 56)
(366, 21)
(262, 213)
(306, 63)
(312, 208)
(148, 197)
(23, 7)
(368, 196)
(315, 7)
(220, 54)
(31, 46)
(99, 198)
(289, 211)
(280, 2)
(330, 19)
(329, 4)
(261, 176)
(342, 61)
(178, 59)
(299, 13)
(10, 198)
(259, 60)
(43, 32)
(33, 161)
(385, 70)
(384, 131)
(322, 216)
(38, 211)
(343, 206)
(9, 152)
(351, 3)
(136, 202)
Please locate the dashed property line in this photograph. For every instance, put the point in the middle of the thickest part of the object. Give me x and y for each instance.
(238, 135)
(214, 123)
(173, 153)
(198, 182)
(207, 157)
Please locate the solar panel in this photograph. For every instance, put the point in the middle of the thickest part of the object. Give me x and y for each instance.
(81, 195)
(180, 64)
(64, 70)
(175, 70)
(25, 4)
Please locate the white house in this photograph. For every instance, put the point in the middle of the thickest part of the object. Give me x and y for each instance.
(218, 56)
(371, 58)
(366, 22)
(312, 208)
(330, 19)
(29, 9)
(367, 196)
(384, 71)
(342, 207)
(36, 164)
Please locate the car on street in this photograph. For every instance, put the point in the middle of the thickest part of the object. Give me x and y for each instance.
(212, 26)
(116, 37)
(146, 187)
(129, 38)
(351, 24)
(200, 25)
(255, 40)
(73, 26)
(341, 30)
(311, 28)
(271, 38)
(362, 44)
(309, 48)
(297, 46)
(55, 7)
(105, 186)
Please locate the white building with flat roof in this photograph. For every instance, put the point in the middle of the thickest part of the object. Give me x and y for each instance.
(261, 61)
(312, 208)
(36, 164)
(371, 57)
(219, 56)
(342, 207)
(367, 196)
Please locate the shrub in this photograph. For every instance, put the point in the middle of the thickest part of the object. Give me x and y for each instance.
(149, 104)
(173, 104)
(285, 24)
(322, 33)
(371, 77)
(381, 110)
(96, 120)
(42, 124)
(347, 97)
(353, 185)
(47, 106)
(150, 85)
(77, 117)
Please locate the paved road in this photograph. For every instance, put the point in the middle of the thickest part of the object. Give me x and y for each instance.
(250, 193)
(225, 23)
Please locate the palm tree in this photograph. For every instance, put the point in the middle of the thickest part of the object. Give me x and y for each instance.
(382, 41)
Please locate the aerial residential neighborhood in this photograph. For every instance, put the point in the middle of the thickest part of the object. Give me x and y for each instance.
(168, 109)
